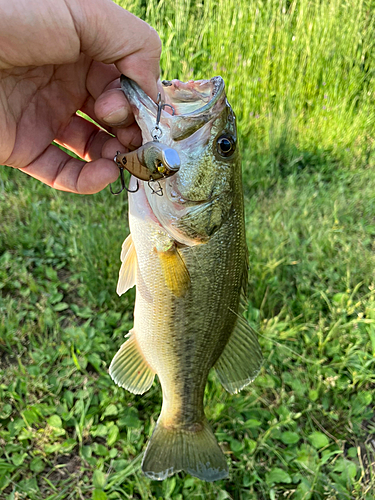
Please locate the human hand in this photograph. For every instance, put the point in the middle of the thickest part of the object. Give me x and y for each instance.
(60, 56)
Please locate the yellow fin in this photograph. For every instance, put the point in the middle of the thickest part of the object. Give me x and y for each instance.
(129, 369)
(128, 270)
(176, 274)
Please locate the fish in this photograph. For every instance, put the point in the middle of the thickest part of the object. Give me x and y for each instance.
(187, 255)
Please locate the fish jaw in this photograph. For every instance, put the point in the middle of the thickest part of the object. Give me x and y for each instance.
(194, 104)
(143, 107)
(196, 108)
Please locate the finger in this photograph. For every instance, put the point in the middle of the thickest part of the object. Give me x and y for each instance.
(131, 136)
(113, 108)
(87, 140)
(140, 67)
(83, 138)
(123, 39)
(112, 147)
(88, 108)
(57, 169)
(100, 77)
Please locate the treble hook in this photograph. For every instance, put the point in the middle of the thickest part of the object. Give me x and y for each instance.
(123, 186)
(159, 190)
(156, 131)
(162, 106)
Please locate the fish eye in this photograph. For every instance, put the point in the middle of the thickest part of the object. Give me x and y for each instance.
(226, 145)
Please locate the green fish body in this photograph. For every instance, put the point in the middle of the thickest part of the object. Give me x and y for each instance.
(187, 256)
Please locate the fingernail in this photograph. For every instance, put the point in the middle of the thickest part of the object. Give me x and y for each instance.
(116, 117)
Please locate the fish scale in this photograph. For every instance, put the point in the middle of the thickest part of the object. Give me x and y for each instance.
(188, 255)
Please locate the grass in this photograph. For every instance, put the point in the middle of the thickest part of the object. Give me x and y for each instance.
(300, 76)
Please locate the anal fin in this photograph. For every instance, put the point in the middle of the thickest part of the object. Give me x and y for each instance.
(128, 270)
(129, 369)
(241, 360)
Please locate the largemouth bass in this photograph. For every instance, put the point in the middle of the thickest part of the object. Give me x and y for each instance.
(187, 256)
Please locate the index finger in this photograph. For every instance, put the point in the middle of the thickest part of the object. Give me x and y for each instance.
(110, 34)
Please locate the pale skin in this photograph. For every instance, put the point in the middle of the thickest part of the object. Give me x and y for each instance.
(60, 56)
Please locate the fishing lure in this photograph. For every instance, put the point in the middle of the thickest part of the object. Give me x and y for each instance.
(152, 161)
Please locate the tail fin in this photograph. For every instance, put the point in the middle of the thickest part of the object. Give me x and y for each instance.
(194, 451)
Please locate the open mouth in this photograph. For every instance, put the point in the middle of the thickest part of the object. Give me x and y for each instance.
(194, 97)
(188, 99)
(195, 103)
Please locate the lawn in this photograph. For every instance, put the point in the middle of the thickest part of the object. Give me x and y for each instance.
(301, 77)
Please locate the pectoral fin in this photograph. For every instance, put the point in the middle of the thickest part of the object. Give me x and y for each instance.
(241, 360)
(129, 369)
(128, 270)
(175, 272)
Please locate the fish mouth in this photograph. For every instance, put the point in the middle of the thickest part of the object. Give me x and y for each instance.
(194, 103)
(193, 98)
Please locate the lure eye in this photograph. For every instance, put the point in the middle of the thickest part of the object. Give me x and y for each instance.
(160, 167)
(226, 145)
(167, 161)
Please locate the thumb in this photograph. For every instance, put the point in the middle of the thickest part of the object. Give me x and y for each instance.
(110, 34)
